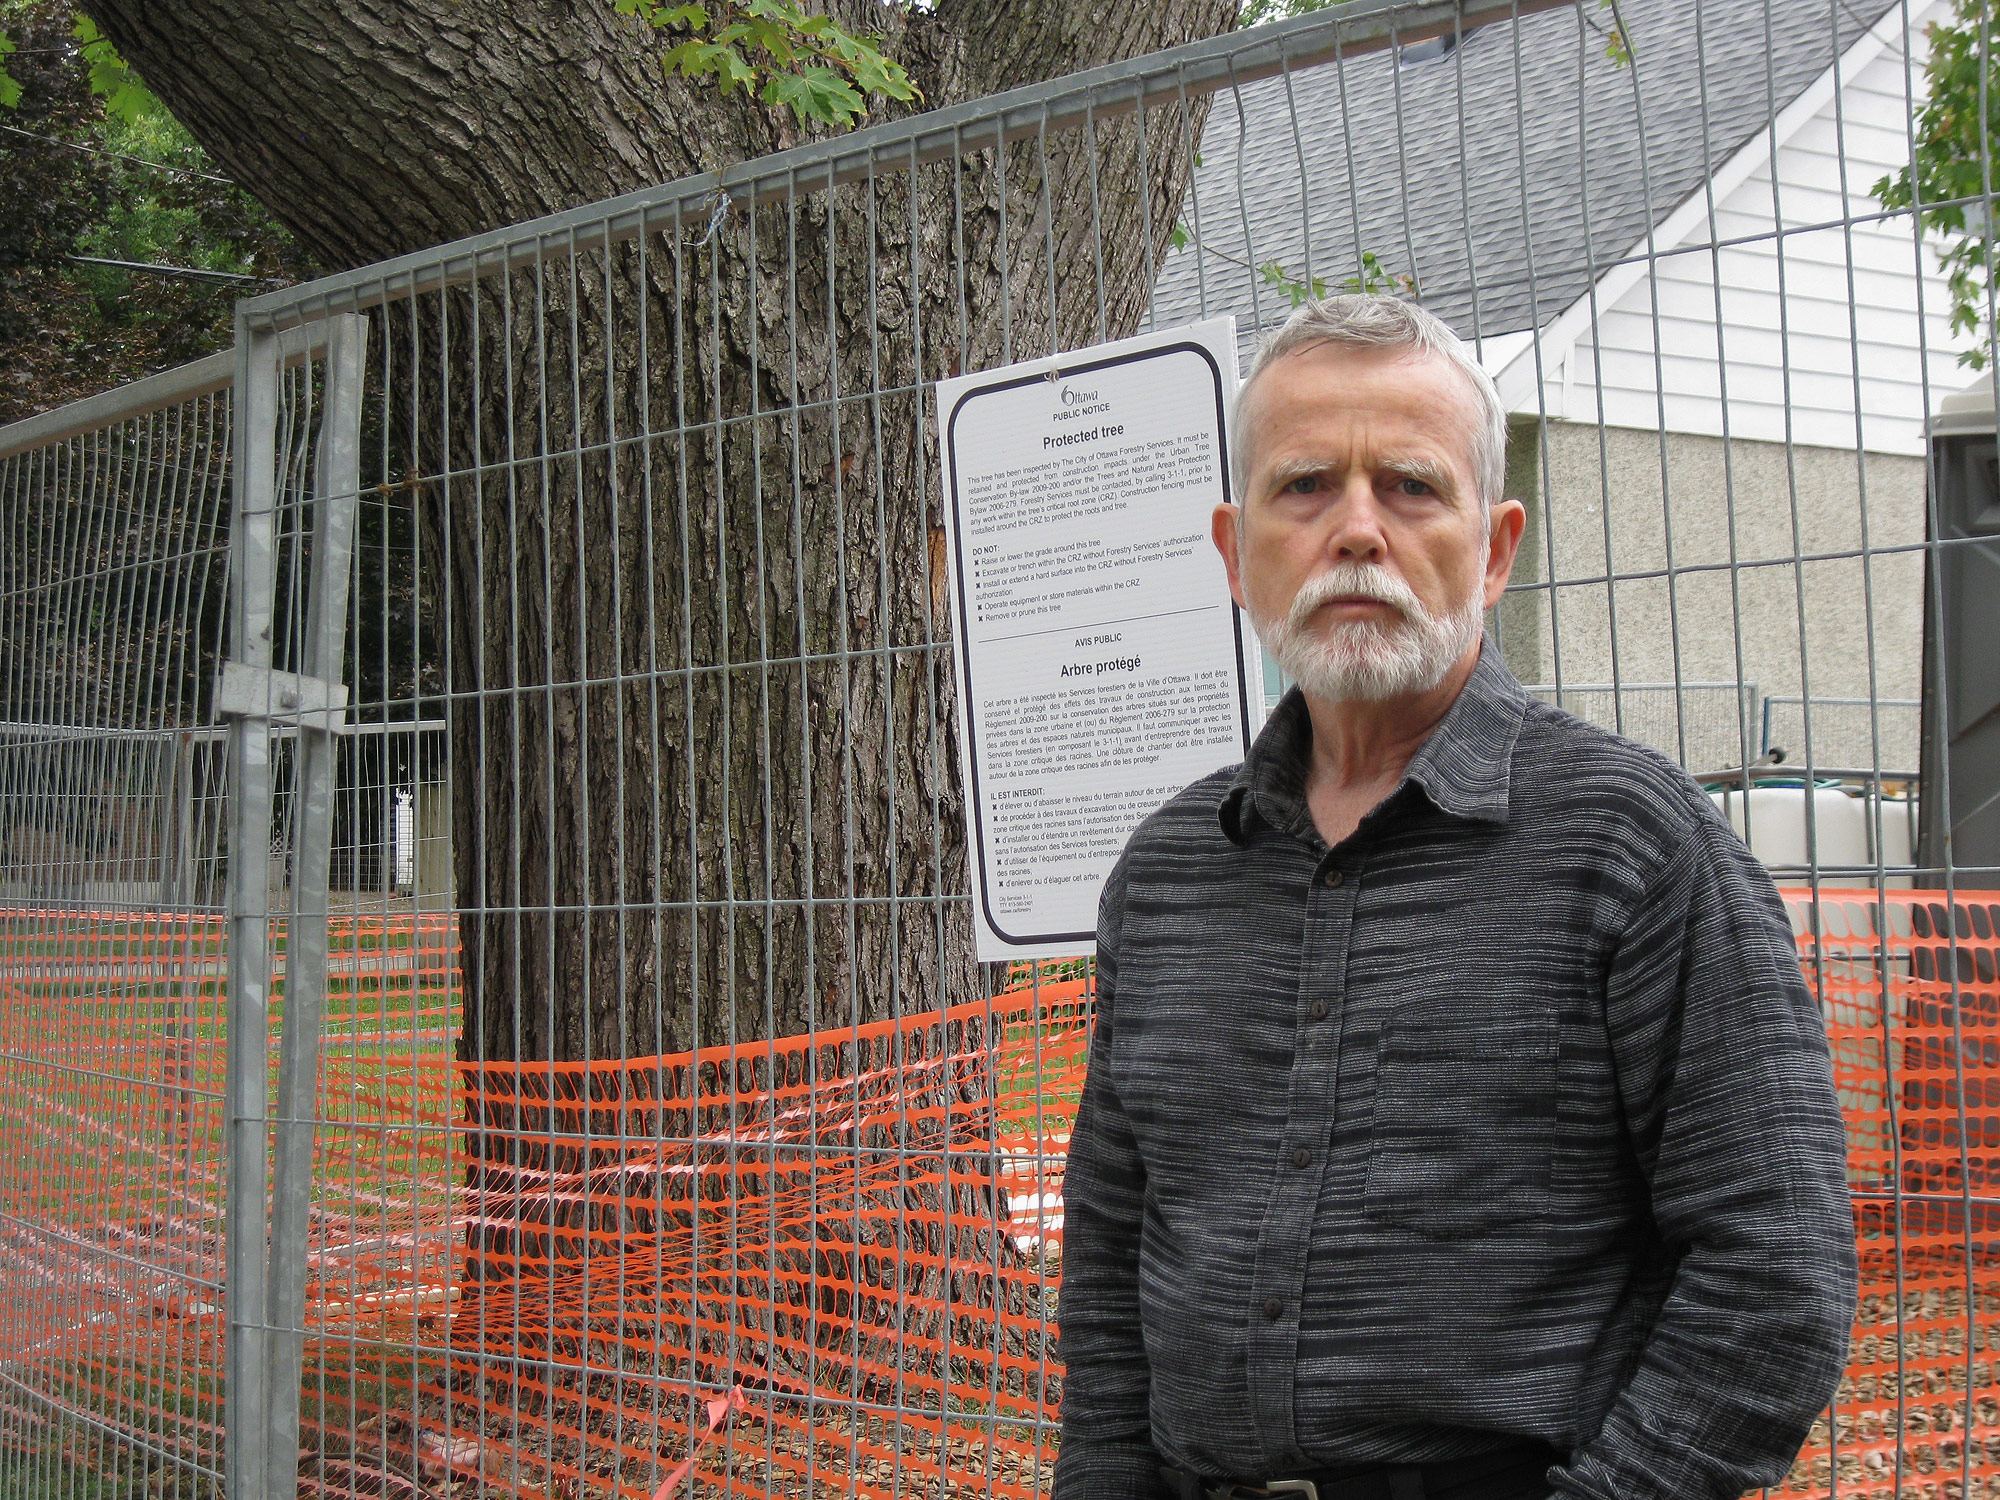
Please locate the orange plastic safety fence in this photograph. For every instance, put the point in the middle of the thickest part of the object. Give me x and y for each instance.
(112, 1030)
(858, 1229)
(110, 1180)
(1907, 982)
(533, 1279)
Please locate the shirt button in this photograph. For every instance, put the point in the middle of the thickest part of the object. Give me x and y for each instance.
(1317, 1010)
(1302, 1158)
(1333, 877)
(1274, 1309)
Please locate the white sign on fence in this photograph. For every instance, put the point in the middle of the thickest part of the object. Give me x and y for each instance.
(1101, 665)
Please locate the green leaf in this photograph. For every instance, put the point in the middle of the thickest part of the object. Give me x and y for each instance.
(792, 59)
(1257, 12)
(733, 70)
(771, 40)
(839, 45)
(691, 59)
(1179, 238)
(1298, 291)
(1373, 276)
(718, 60)
(125, 97)
(876, 74)
(1953, 136)
(10, 88)
(816, 94)
(1617, 41)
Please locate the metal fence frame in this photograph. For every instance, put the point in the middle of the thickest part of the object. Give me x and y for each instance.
(267, 1266)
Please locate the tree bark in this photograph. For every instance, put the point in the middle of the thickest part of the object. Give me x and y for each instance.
(683, 491)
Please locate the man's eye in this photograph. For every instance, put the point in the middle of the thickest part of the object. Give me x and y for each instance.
(1411, 486)
(1305, 484)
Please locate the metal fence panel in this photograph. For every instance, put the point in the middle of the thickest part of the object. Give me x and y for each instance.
(112, 581)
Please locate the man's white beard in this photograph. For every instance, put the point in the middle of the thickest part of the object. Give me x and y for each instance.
(1369, 660)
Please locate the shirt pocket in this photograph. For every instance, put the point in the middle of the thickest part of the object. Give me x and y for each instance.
(1465, 1118)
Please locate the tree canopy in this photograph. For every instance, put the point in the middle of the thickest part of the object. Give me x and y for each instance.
(1952, 172)
(94, 169)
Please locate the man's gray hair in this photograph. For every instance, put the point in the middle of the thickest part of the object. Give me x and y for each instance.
(1376, 321)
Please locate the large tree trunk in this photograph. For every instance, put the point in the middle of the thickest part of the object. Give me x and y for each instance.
(684, 491)
(704, 766)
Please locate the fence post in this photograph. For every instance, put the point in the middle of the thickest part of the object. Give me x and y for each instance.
(337, 479)
(252, 577)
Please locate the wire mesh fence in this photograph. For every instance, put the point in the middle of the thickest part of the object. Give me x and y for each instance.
(113, 546)
(614, 1104)
(1884, 733)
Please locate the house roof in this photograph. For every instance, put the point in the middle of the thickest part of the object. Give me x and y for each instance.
(1506, 175)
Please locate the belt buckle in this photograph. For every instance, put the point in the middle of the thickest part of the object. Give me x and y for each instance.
(1303, 1487)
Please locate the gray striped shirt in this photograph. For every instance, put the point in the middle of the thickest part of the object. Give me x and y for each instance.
(1510, 1116)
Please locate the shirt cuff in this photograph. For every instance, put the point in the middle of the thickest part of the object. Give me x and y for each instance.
(1107, 1471)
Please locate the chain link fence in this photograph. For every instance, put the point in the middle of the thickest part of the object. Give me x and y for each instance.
(541, 896)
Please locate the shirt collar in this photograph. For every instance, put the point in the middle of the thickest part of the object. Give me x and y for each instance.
(1464, 768)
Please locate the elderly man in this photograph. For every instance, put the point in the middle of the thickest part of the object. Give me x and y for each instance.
(1457, 1122)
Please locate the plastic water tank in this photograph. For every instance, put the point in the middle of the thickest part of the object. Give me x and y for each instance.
(1772, 820)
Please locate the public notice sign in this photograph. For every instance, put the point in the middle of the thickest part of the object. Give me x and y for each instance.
(1102, 665)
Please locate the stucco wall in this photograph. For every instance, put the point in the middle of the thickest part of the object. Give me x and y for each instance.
(1690, 560)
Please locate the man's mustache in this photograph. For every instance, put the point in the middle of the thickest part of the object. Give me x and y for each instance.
(1351, 581)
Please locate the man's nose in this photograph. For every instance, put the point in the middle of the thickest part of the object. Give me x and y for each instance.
(1357, 534)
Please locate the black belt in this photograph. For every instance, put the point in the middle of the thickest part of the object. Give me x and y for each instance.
(1512, 1473)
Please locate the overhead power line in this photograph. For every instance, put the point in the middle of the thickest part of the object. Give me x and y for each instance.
(184, 273)
(157, 166)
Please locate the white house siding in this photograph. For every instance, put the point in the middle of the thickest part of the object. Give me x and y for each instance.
(1768, 327)
(1753, 548)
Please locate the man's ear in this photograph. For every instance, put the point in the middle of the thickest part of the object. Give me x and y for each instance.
(1503, 540)
(1223, 527)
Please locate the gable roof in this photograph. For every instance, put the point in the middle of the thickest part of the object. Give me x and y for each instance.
(1508, 174)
